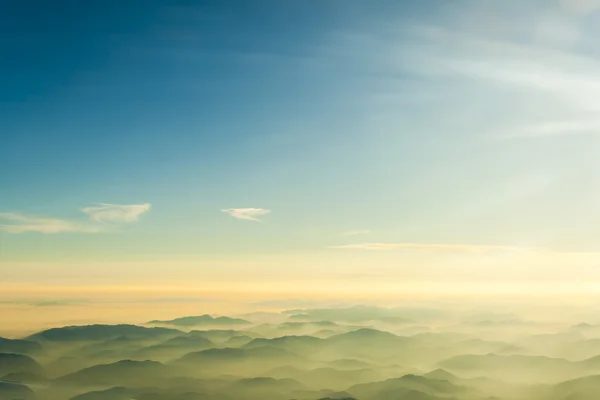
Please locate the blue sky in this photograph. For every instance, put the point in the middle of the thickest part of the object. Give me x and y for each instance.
(419, 127)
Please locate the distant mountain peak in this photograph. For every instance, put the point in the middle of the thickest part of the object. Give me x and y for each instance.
(100, 332)
(441, 374)
(201, 320)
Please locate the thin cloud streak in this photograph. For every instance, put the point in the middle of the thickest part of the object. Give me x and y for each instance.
(116, 213)
(249, 214)
(21, 223)
(555, 128)
(16, 222)
(430, 247)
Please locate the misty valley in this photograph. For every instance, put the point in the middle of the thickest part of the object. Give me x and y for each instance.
(361, 352)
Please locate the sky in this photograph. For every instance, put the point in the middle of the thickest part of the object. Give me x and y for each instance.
(305, 148)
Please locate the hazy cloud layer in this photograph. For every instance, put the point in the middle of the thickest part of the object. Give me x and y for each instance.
(250, 214)
(429, 247)
(16, 222)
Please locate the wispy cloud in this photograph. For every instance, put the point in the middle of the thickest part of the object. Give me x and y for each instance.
(250, 214)
(299, 303)
(175, 300)
(20, 223)
(553, 128)
(531, 84)
(580, 6)
(117, 213)
(356, 232)
(430, 247)
(16, 222)
(558, 86)
(59, 303)
(47, 303)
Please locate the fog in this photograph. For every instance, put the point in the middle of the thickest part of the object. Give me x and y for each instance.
(354, 352)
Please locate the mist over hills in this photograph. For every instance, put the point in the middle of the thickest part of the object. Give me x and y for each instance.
(19, 346)
(434, 356)
(11, 363)
(202, 320)
(101, 332)
(362, 314)
(15, 391)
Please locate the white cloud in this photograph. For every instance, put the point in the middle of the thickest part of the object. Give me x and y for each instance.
(250, 214)
(20, 223)
(429, 247)
(15, 222)
(357, 232)
(116, 213)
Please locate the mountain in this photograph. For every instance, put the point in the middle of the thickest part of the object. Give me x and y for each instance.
(116, 393)
(365, 343)
(125, 373)
(325, 377)
(585, 388)
(233, 354)
(291, 328)
(441, 375)
(187, 341)
(264, 388)
(285, 371)
(215, 355)
(348, 363)
(311, 324)
(11, 363)
(15, 391)
(416, 395)
(325, 333)
(220, 335)
(262, 383)
(238, 341)
(375, 360)
(579, 349)
(478, 346)
(290, 343)
(494, 361)
(101, 332)
(183, 396)
(202, 320)
(24, 377)
(248, 388)
(172, 348)
(235, 361)
(367, 340)
(409, 386)
(335, 379)
(359, 314)
(337, 398)
(19, 346)
(514, 367)
(367, 334)
(592, 363)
